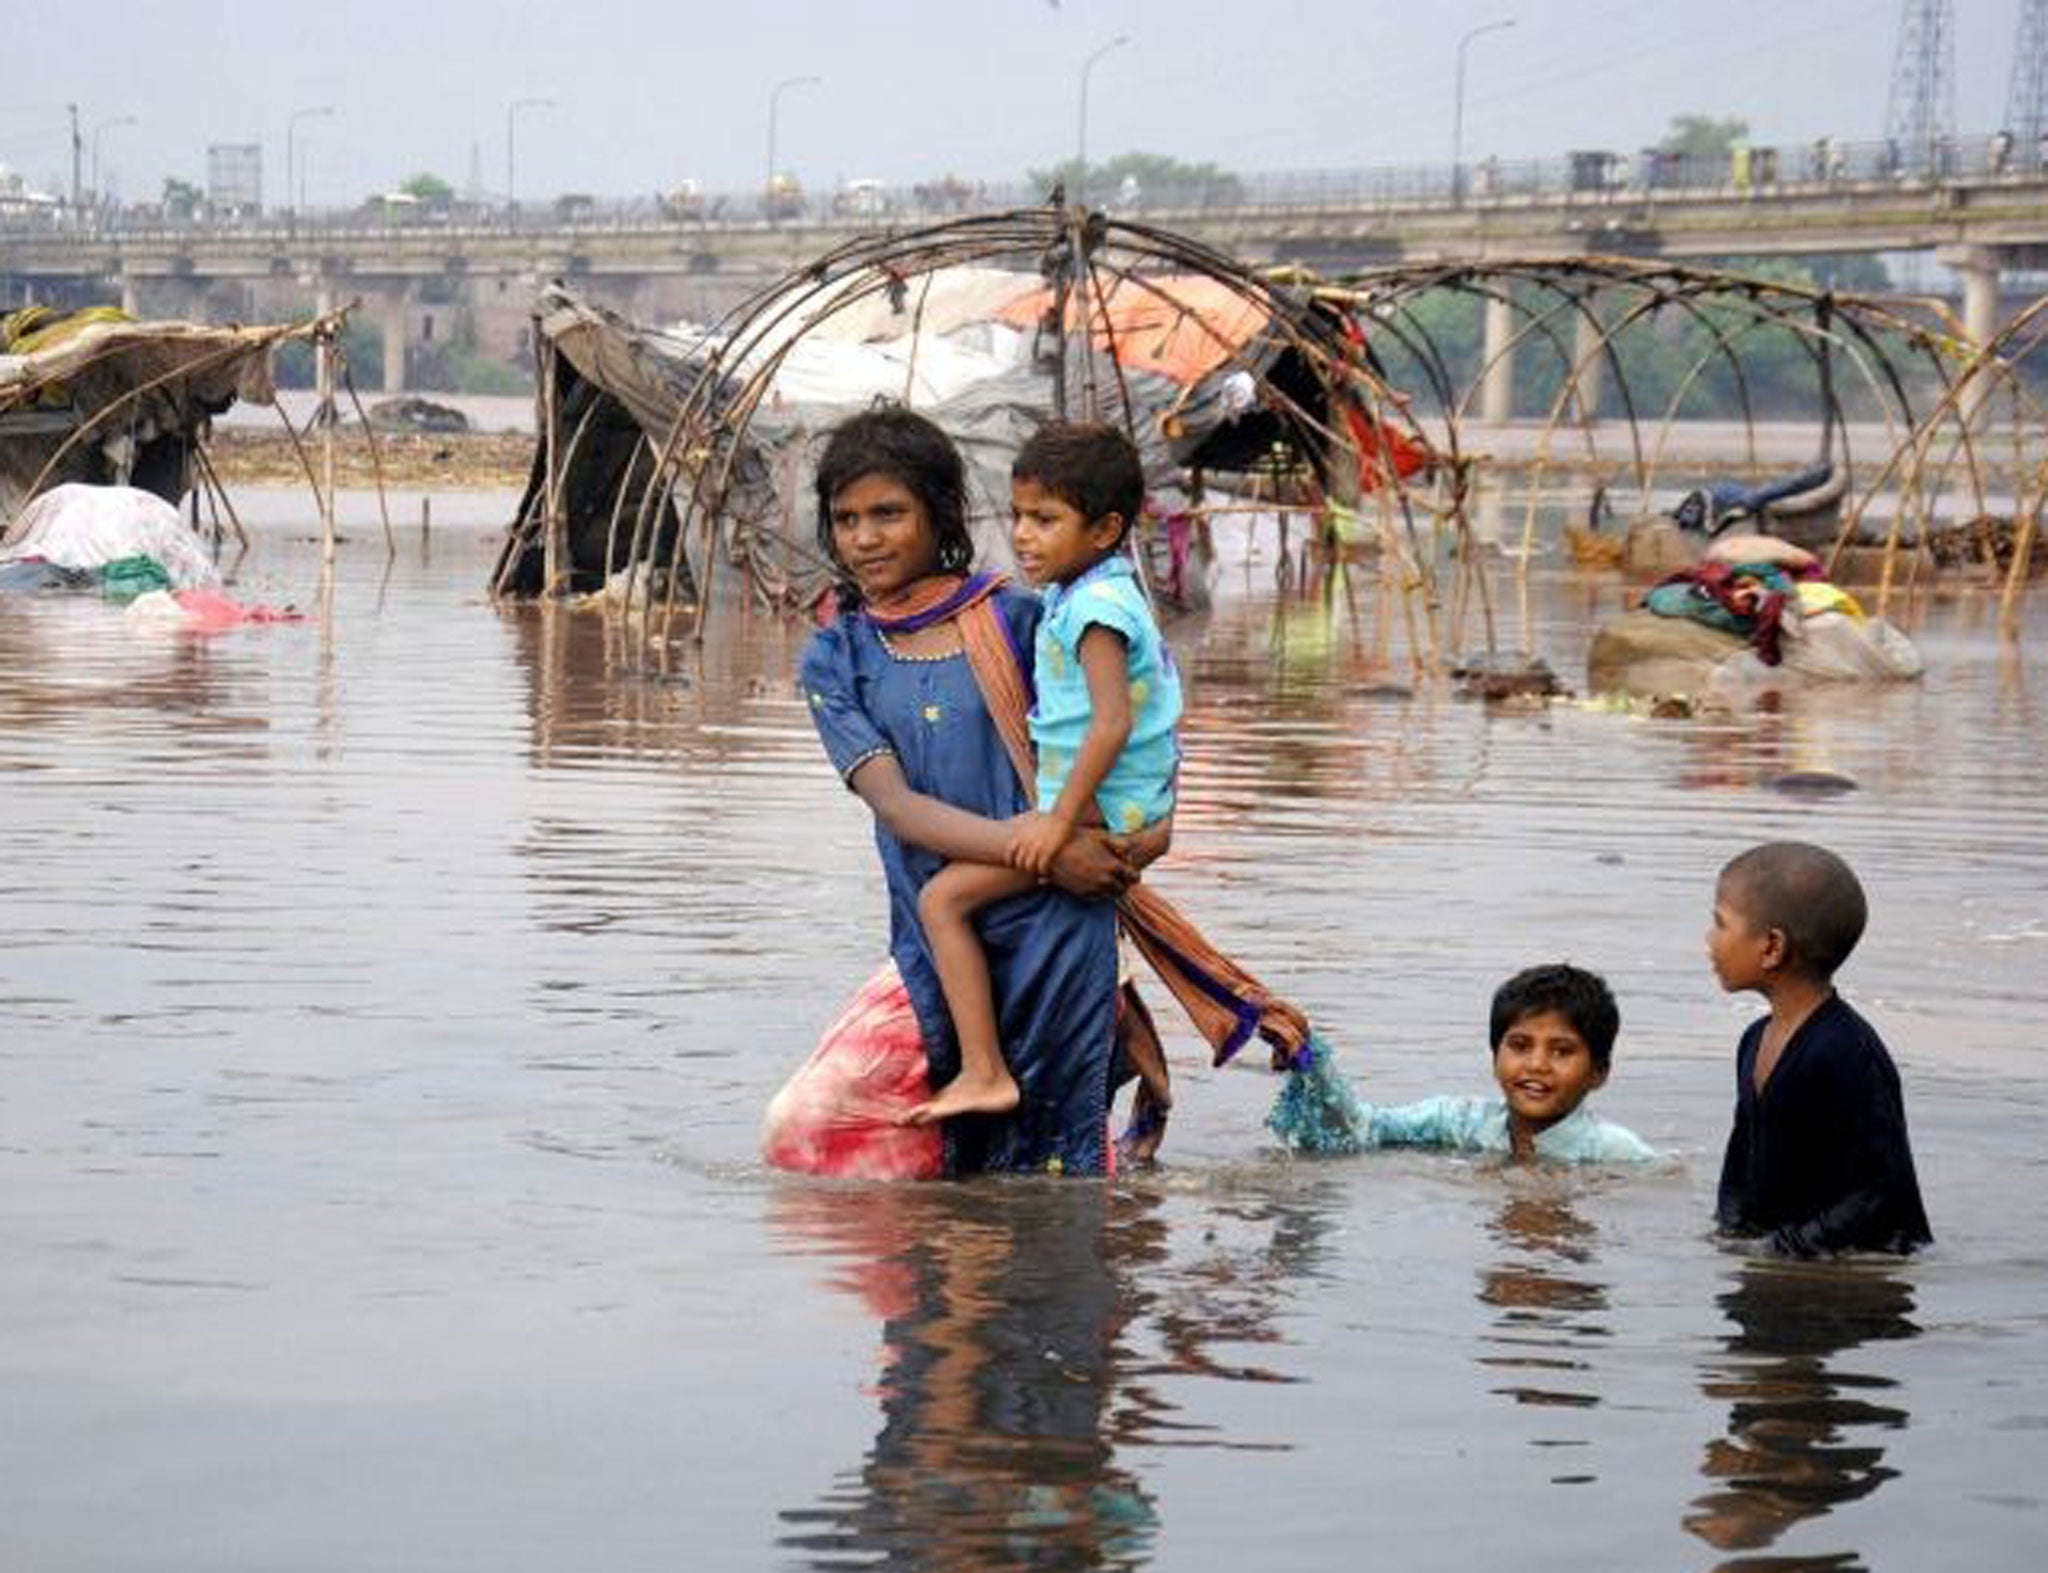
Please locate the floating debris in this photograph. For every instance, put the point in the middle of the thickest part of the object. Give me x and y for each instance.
(1811, 783)
(1503, 675)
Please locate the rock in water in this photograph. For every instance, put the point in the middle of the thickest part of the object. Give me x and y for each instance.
(1811, 783)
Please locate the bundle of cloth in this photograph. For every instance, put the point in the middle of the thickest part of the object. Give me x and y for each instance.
(78, 535)
(1755, 611)
(128, 546)
(1754, 587)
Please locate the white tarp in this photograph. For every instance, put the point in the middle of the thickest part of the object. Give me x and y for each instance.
(80, 526)
(924, 346)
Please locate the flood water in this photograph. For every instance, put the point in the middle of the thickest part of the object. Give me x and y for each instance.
(390, 1000)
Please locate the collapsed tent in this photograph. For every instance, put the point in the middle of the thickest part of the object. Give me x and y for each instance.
(664, 453)
(97, 397)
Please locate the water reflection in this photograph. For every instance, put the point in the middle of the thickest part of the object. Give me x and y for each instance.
(1003, 1308)
(1804, 1433)
(68, 657)
(1030, 1335)
(1552, 1307)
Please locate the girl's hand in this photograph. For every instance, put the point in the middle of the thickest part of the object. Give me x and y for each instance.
(1143, 848)
(1091, 866)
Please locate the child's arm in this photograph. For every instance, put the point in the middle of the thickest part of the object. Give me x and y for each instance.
(1106, 663)
(1090, 866)
(1443, 1123)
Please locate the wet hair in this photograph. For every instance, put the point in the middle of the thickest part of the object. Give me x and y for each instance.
(1806, 893)
(893, 441)
(1092, 467)
(1581, 997)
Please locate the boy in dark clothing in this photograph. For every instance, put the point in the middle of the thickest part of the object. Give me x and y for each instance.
(1818, 1159)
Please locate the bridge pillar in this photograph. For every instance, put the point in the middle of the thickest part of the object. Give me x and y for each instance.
(1497, 383)
(1977, 267)
(397, 326)
(131, 295)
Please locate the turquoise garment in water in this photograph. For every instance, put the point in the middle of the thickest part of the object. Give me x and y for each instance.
(1139, 787)
(1481, 1125)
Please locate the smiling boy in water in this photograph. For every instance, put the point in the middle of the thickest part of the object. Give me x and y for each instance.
(1553, 1029)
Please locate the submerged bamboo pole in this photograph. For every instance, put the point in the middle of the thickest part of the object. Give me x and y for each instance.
(2027, 525)
(323, 375)
(552, 524)
(348, 381)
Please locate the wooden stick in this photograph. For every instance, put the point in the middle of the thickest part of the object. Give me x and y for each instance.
(2029, 525)
(348, 381)
(323, 362)
(551, 512)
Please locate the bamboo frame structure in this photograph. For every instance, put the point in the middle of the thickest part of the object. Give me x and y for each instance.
(1083, 256)
(1897, 365)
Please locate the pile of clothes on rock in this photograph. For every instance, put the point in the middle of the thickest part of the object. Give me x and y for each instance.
(125, 546)
(1754, 610)
(1756, 587)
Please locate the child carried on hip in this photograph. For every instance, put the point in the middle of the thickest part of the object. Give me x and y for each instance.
(1107, 702)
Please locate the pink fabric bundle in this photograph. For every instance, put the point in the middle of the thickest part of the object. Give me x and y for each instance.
(837, 1115)
(210, 612)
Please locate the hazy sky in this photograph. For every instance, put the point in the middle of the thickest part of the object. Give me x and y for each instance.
(647, 94)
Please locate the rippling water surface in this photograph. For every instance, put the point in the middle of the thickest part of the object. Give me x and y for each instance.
(387, 1003)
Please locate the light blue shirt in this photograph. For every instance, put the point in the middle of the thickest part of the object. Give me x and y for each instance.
(1139, 786)
(1481, 1125)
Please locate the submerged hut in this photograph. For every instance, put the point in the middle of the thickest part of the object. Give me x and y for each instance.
(664, 453)
(669, 455)
(96, 397)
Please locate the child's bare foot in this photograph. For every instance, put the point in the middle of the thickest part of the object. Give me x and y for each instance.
(966, 1094)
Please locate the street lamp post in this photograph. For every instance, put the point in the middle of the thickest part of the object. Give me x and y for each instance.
(1458, 108)
(774, 100)
(511, 131)
(105, 125)
(291, 158)
(77, 147)
(1081, 131)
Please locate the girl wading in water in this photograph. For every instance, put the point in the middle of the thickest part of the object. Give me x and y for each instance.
(919, 694)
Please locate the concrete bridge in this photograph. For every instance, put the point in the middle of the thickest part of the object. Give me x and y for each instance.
(425, 281)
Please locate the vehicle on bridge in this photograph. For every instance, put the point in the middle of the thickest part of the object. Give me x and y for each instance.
(784, 198)
(684, 203)
(863, 199)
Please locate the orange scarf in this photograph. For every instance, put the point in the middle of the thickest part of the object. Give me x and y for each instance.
(1225, 1003)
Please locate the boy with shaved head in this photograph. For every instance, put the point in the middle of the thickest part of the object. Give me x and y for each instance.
(1818, 1160)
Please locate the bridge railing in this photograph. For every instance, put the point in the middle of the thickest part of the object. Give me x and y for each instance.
(1584, 175)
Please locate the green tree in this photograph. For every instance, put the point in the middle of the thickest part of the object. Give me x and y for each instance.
(1702, 136)
(361, 342)
(1158, 180)
(432, 191)
(181, 198)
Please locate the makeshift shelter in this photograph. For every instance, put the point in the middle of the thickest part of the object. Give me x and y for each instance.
(665, 454)
(1635, 351)
(96, 397)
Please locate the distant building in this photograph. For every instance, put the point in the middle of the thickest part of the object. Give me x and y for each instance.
(234, 179)
(21, 204)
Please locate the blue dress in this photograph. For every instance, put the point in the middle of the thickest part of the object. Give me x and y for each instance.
(1051, 956)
